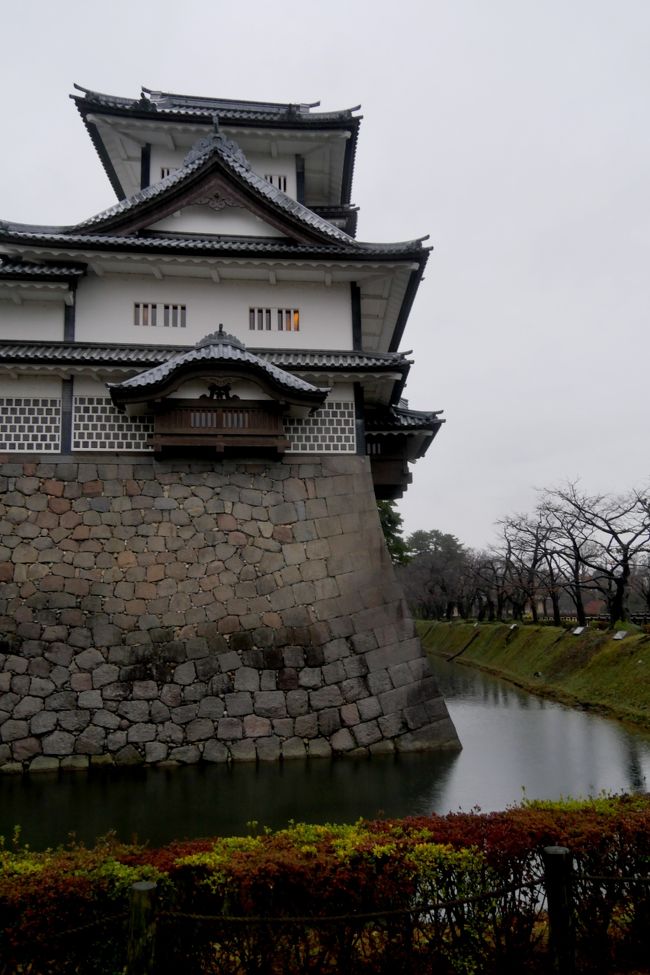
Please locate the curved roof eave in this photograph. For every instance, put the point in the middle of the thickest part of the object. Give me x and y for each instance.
(169, 107)
(218, 351)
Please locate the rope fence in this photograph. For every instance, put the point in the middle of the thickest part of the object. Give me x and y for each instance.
(142, 934)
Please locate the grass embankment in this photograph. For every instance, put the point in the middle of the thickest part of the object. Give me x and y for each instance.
(591, 670)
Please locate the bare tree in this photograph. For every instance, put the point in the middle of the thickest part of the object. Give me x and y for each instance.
(609, 534)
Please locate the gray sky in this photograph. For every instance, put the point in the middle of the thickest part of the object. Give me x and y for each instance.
(515, 132)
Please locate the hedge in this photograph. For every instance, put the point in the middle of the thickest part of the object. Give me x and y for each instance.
(445, 894)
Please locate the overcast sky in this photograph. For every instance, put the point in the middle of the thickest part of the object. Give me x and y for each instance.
(515, 132)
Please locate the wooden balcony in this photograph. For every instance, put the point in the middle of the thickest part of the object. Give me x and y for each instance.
(219, 425)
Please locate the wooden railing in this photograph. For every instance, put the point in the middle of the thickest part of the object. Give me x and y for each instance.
(219, 425)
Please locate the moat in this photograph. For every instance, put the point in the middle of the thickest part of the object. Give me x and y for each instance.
(514, 744)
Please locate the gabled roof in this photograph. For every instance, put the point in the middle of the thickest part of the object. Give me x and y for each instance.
(218, 351)
(166, 107)
(216, 166)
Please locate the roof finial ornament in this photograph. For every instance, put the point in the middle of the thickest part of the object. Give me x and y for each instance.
(215, 123)
(220, 338)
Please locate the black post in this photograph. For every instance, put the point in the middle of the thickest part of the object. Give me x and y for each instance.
(557, 878)
(142, 929)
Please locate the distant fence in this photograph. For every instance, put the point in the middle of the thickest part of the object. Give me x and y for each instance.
(535, 926)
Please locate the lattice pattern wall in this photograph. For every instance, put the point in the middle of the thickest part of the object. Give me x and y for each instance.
(331, 430)
(97, 425)
(33, 424)
(30, 424)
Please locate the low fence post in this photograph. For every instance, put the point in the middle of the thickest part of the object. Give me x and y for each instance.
(142, 929)
(557, 878)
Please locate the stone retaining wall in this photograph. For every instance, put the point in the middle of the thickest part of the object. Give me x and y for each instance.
(158, 612)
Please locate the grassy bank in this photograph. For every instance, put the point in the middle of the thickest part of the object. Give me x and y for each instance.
(591, 670)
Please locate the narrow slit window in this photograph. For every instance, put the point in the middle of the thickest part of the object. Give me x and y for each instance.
(286, 319)
(279, 180)
(172, 316)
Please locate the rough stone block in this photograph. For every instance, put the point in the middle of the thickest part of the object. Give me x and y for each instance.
(27, 707)
(132, 711)
(44, 763)
(230, 729)
(155, 751)
(58, 743)
(89, 659)
(326, 697)
(256, 726)
(199, 730)
(215, 751)
(239, 703)
(270, 704)
(145, 690)
(105, 674)
(350, 715)
(43, 722)
(268, 749)
(293, 748)
(184, 714)
(319, 748)
(74, 721)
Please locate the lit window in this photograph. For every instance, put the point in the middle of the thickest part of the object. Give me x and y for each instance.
(286, 319)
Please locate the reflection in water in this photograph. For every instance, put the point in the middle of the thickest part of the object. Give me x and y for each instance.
(513, 743)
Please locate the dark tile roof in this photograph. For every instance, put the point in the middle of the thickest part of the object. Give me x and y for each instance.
(11, 268)
(218, 350)
(153, 102)
(82, 353)
(337, 360)
(398, 418)
(90, 353)
(242, 246)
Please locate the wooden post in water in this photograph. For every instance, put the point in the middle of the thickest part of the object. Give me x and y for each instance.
(557, 878)
(142, 929)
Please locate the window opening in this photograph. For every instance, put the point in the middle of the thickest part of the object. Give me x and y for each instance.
(146, 314)
(286, 319)
(277, 180)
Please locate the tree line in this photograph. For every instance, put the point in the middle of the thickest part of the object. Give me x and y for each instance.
(576, 554)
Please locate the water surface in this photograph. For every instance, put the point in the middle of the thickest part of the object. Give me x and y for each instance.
(513, 744)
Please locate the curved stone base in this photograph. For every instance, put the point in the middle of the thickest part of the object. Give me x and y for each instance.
(179, 612)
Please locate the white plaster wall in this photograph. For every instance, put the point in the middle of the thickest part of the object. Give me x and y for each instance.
(231, 221)
(105, 311)
(281, 165)
(34, 321)
(341, 393)
(86, 386)
(160, 157)
(31, 386)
